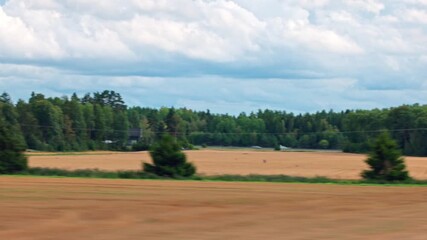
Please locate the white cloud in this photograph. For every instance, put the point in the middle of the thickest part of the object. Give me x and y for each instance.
(420, 2)
(415, 15)
(219, 31)
(342, 16)
(208, 30)
(320, 39)
(372, 6)
(241, 51)
(18, 40)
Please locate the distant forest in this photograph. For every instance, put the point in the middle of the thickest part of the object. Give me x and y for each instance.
(102, 121)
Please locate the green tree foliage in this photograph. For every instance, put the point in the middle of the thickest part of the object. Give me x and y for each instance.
(50, 121)
(120, 128)
(107, 98)
(168, 159)
(324, 144)
(29, 126)
(74, 124)
(385, 161)
(12, 159)
(99, 132)
(172, 120)
(89, 122)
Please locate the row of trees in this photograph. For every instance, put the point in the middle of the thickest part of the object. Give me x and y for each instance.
(84, 123)
(63, 124)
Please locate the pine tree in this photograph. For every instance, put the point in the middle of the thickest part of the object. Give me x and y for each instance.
(168, 159)
(385, 161)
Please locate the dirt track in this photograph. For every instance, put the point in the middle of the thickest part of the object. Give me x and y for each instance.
(213, 162)
(67, 208)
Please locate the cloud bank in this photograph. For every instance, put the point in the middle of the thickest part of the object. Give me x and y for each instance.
(228, 56)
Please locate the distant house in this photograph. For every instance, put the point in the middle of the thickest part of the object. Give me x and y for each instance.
(134, 135)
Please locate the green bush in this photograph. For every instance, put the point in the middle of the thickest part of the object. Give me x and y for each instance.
(140, 146)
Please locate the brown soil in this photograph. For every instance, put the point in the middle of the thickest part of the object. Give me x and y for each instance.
(66, 208)
(213, 162)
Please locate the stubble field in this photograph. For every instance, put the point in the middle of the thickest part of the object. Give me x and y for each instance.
(216, 162)
(71, 208)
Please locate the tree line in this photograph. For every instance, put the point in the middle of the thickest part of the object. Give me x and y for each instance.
(101, 120)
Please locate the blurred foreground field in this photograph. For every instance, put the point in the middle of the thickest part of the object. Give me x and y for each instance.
(69, 208)
(335, 165)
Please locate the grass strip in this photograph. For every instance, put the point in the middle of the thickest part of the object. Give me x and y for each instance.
(95, 173)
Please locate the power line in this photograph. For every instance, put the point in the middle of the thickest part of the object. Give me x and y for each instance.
(83, 129)
(239, 133)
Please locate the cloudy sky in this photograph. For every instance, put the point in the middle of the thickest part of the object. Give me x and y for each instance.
(227, 56)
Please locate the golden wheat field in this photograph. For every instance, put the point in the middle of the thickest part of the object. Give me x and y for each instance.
(214, 162)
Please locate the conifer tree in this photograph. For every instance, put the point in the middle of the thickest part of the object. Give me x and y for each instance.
(385, 161)
(168, 159)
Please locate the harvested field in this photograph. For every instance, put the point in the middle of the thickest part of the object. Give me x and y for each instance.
(68, 208)
(214, 162)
